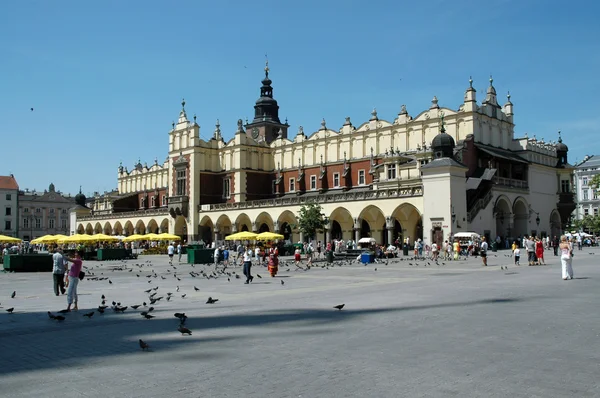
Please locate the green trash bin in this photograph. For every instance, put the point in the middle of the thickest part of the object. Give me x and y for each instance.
(329, 256)
(494, 246)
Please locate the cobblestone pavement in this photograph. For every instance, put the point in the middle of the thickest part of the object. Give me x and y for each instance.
(457, 329)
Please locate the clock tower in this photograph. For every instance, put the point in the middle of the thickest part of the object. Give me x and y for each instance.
(266, 125)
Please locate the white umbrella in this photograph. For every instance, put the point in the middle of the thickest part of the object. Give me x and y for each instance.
(367, 240)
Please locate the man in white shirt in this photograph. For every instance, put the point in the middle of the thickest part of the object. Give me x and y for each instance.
(179, 251)
(171, 252)
(58, 272)
(483, 251)
(247, 264)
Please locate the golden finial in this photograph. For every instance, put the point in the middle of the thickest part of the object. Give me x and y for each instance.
(266, 64)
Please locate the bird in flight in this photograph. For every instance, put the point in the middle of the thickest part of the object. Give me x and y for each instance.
(31, 109)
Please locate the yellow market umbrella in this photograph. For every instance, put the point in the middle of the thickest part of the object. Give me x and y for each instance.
(151, 236)
(269, 236)
(166, 236)
(44, 239)
(244, 235)
(134, 238)
(9, 239)
(104, 238)
(77, 238)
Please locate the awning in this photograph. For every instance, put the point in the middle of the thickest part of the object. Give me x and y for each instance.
(501, 153)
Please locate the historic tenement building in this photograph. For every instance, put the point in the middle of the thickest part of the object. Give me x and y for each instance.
(588, 201)
(426, 176)
(9, 191)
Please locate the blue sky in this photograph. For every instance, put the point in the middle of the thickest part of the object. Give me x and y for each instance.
(106, 78)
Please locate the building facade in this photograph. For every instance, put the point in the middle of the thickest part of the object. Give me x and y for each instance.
(384, 179)
(9, 190)
(44, 213)
(588, 201)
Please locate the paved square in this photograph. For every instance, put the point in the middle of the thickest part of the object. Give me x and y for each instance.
(457, 329)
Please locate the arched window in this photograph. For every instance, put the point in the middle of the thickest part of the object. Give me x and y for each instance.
(153, 201)
(142, 203)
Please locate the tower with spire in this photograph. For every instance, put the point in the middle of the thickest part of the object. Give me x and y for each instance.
(266, 125)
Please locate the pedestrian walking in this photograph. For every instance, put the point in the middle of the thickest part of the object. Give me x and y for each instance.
(171, 252)
(566, 258)
(58, 272)
(74, 274)
(179, 250)
(483, 251)
(248, 265)
(517, 254)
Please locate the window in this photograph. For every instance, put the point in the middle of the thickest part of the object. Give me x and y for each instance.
(313, 182)
(227, 188)
(153, 201)
(51, 223)
(391, 171)
(63, 224)
(595, 211)
(25, 223)
(7, 225)
(38, 223)
(595, 195)
(164, 200)
(565, 186)
(26, 210)
(8, 211)
(51, 211)
(8, 196)
(142, 203)
(586, 212)
(38, 210)
(585, 194)
(181, 181)
(585, 181)
(336, 180)
(274, 187)
(64, 211)
(292, 184)
(361, 177)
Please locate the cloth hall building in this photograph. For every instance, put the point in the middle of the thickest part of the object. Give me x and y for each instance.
(427, 176)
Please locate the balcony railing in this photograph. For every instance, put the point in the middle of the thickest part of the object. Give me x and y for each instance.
(321, 199)
(126, 214)
(510, 182)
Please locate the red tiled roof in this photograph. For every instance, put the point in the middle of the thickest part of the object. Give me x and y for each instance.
(8, 182)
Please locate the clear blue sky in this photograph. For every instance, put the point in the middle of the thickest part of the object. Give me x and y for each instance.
(106, 78)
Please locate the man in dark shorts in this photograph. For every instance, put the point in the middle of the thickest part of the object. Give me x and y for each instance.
(171, 252)
(483, 251)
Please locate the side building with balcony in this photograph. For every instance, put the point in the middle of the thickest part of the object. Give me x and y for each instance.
(44, 213)
(588, 201)
(426, 176)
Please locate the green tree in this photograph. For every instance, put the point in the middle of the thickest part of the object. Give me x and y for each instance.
(595, 182)
(310, 219)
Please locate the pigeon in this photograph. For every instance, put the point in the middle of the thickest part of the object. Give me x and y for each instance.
(150, 309)
(148, 316)
(59, 318)
(177, 288)
(196, 289)
(103, 298)
(143, 345)
(101, 310)
(147, 291)
(50, 315)
(109, 281)
(135, 307)
(13, 294)
(211, 300)
(89, 314)
(183, 330)
(259, 277)
(144, 304)
(179, 315)
(114, 303)
(282, 282)
(183, 295)
(339, 307)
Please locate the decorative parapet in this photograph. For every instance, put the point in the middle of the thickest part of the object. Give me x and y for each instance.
(321, 199)
(126, 214)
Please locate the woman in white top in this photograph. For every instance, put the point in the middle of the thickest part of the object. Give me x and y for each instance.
(566, 258)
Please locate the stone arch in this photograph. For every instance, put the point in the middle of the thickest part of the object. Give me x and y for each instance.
(89, 229)
(140, 227)
(180, 228)
(107, 229)
(205, 230)
(555, 224)
(405, 222)
(152, 227)
(520, 209)
(263, 223)
(243, 223)
(224, 226)
(288, 226)
(341, 224)
(118, 228)
(80, 229)
(98, 228)
(129, 229)
(164, 226)
(503, 215)
(374, 218)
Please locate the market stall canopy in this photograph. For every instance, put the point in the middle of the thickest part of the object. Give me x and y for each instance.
(104, 238)
(269, 236)
(244, 235)
(77, 238)
(466, 235)
(134, 238)
(367, 240)
(44, 239)
(9, 239)
(166, 236)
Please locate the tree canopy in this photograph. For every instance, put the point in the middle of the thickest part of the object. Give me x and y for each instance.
(310, 219)
(595, 182)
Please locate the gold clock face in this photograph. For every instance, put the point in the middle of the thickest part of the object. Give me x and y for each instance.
(255, 132)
